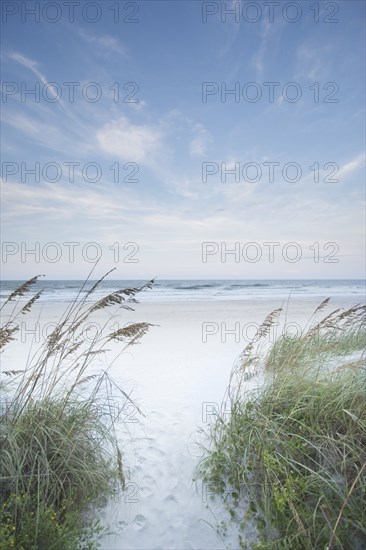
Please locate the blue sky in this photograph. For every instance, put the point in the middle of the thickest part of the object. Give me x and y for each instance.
(176, 133)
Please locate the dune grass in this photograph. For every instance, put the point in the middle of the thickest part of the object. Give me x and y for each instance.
(59, 454)
(292, 454)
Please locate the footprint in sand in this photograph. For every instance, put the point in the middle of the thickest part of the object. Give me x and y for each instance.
(121, 525)
(154, 452)
(170, 498)
(139, 522)
(146, 492)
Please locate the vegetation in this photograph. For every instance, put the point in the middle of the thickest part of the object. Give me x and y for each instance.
(59, 454)
(292, 454)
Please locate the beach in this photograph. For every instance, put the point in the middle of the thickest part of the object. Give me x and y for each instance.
(177, 376)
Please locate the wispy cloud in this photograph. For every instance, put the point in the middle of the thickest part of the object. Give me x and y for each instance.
(198, 146)
(50, 134)
(29, 64)
(106, 42)
(70, 201)
(259, 56)
(127, 141)
(32, 66)
(352, 166)
(314, 62)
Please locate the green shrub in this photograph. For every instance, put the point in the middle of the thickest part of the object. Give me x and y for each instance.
(26, 524)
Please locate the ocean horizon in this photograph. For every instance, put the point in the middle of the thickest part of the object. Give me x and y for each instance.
(198, 289)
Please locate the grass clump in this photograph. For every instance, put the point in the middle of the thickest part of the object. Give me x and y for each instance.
(294, 451)
(26, 524)
(59, 452)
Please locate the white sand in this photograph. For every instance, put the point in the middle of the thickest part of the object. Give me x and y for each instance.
(175, 378)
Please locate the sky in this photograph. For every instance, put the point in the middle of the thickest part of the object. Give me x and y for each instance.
(183, 139)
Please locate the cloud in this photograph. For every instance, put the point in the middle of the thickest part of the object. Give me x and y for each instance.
(32, 66)
(314, 61)
(258, 58)
(140, 106)
(50, 134)
(351, 166)
(308, 60)
(106, 42)
(28, 63)
(49, 202)
(198, 146)
(130, 142)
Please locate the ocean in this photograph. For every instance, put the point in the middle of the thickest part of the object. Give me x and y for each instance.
(199, 290)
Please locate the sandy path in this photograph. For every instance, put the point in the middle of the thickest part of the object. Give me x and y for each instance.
(176, 378)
